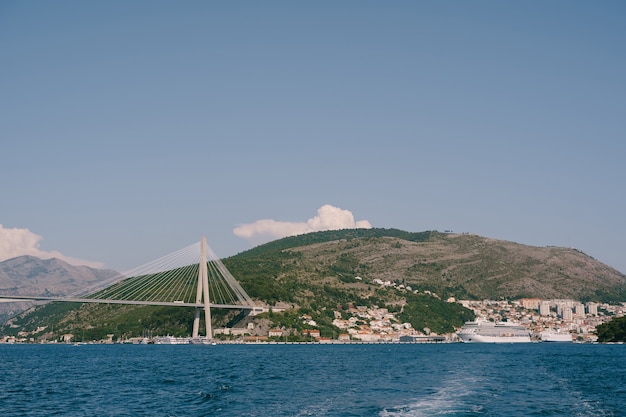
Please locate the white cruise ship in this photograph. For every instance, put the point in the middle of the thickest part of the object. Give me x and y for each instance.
(556, 335)
(482, 331)
(171, 340)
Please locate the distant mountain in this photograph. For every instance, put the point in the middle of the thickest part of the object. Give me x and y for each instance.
(29, 275)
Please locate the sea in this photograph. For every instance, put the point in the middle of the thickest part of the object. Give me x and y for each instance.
(386, 380)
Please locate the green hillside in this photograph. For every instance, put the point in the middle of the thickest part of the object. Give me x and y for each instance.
(324, 274)
(463, 266)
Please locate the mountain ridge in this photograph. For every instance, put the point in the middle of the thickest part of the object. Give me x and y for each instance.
(31, 276)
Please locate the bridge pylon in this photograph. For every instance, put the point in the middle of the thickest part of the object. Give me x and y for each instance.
(202, 295)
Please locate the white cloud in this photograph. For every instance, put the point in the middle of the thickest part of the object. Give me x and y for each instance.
(18, 242)
(328, 218)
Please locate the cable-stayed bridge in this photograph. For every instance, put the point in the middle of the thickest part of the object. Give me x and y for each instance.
(190, 277)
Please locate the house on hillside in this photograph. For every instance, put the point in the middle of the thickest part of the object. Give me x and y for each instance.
(275, 333)
(314, 333)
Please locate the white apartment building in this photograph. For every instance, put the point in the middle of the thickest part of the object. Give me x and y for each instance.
(567, 314)
(592, 308)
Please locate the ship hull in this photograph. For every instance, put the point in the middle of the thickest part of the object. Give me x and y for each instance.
(475, 338)
(556, 338)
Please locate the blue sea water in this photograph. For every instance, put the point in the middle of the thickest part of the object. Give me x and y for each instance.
(384, 380)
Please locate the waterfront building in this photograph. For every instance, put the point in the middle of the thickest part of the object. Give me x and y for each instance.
(314, 333)
(232, 331)
(275, 333)
(422, 339)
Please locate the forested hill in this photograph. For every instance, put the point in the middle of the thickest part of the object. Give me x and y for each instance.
(323, 274)
(459, 265)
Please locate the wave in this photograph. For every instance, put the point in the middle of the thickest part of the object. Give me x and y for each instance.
(455, 396)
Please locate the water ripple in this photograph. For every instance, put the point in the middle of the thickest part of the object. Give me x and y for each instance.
(313, 380)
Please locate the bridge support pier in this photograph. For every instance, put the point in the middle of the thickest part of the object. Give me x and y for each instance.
(202, 296)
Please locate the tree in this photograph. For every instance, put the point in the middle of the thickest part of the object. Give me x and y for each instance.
(612, 331)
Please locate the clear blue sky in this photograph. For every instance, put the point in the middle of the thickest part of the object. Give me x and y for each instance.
(130, 129)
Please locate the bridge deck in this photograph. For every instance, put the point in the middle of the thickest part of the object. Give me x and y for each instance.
(104, 301)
